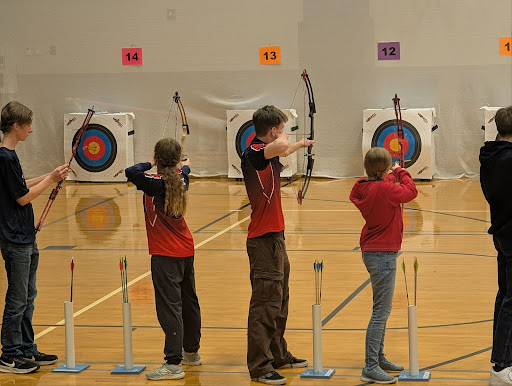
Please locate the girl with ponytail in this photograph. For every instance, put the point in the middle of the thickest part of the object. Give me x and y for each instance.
(172, 256)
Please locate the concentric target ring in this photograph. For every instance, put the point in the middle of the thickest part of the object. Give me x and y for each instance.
(386, 136)
(97, 150)
(244, 137)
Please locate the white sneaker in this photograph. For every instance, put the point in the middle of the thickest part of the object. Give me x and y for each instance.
(191, 358)
(166, 371)
(503, 377)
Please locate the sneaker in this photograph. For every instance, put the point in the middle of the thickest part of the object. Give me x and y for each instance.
(16, 365)
(293, 363)
(503, 377)
(376, 375)
(272, 378)
(41, 358)
(387, 365)
(166, 371)
(191, 358)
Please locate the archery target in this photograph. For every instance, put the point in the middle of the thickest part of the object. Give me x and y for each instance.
(380, 129)
(241, 132)
(386, 136)
(106, 147)
(491, 132)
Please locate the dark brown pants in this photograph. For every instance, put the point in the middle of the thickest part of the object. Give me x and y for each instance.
(268, 310)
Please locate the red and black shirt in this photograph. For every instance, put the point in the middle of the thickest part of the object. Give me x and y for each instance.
(262, 182)
(167, 235)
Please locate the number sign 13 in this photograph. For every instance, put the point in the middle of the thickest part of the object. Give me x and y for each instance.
(270, 55)
(388, 51)
(132, 56)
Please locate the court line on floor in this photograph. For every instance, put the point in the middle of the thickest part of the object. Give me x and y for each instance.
(287, 329)
(345, 302)
(108, 296)
(457, 359)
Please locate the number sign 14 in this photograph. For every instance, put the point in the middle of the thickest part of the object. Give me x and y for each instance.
(132, 56)
(388, 51)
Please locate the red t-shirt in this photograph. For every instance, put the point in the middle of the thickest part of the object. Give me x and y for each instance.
(379, 203)
(262, 179)
(167, 235)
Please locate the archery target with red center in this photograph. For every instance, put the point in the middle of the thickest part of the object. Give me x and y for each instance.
(98, 149)
(386, 136)
(106, 147)
(244, 137)
(380, 130)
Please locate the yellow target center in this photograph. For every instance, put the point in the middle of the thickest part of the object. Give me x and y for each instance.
(93, 147)
(394, 145)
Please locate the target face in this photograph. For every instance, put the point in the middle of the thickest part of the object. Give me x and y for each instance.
(98, 149)
(244, 137)
(386, 136)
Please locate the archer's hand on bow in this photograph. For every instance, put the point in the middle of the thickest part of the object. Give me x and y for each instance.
(395, 166)
(60, 173)
(306, 142)
(185, 162)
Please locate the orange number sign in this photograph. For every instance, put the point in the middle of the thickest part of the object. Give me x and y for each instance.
(506, 46)
(270, 55)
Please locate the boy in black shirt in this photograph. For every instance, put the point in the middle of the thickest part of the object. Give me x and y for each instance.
(18, 244)
(496, 181)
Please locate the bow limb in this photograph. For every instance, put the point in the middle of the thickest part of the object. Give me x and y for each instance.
(399, 129)
(184, 123)
(312, 110)
(55, 191)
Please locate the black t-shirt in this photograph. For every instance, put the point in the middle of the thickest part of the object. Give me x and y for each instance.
(16, 221)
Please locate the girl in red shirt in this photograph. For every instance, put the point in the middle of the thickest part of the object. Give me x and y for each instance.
(379, 197)
(172, 256)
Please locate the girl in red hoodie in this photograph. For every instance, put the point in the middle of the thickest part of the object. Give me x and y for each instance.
(379, 197)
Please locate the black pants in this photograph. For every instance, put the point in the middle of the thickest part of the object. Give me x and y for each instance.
(177, 307)
(502, 327)
(268, 310)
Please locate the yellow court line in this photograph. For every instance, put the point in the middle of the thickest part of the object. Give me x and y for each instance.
(108, 296)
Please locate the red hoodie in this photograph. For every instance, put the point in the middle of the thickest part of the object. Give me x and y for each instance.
(379, 203)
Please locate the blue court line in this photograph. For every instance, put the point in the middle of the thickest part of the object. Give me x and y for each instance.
(221, 218)
(457, 359)
(345, 302)
(287, 329)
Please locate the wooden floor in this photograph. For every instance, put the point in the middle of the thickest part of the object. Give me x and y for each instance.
(445, 228)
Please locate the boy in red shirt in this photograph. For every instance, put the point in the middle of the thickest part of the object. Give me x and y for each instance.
(269, 266)
(378, 197)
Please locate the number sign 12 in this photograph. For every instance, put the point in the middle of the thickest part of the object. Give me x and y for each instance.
(388, 51)
(132, 56)
(270, 55)
(506, 46)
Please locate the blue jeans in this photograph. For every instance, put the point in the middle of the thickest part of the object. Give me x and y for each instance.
(21, 265)
(502, 327)
(382, 269)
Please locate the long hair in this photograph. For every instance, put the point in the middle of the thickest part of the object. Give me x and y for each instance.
(167, 157)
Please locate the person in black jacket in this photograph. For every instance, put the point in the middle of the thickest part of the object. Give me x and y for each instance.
(496, 181)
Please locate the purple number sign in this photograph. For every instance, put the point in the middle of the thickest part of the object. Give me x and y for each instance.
(388, 50)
